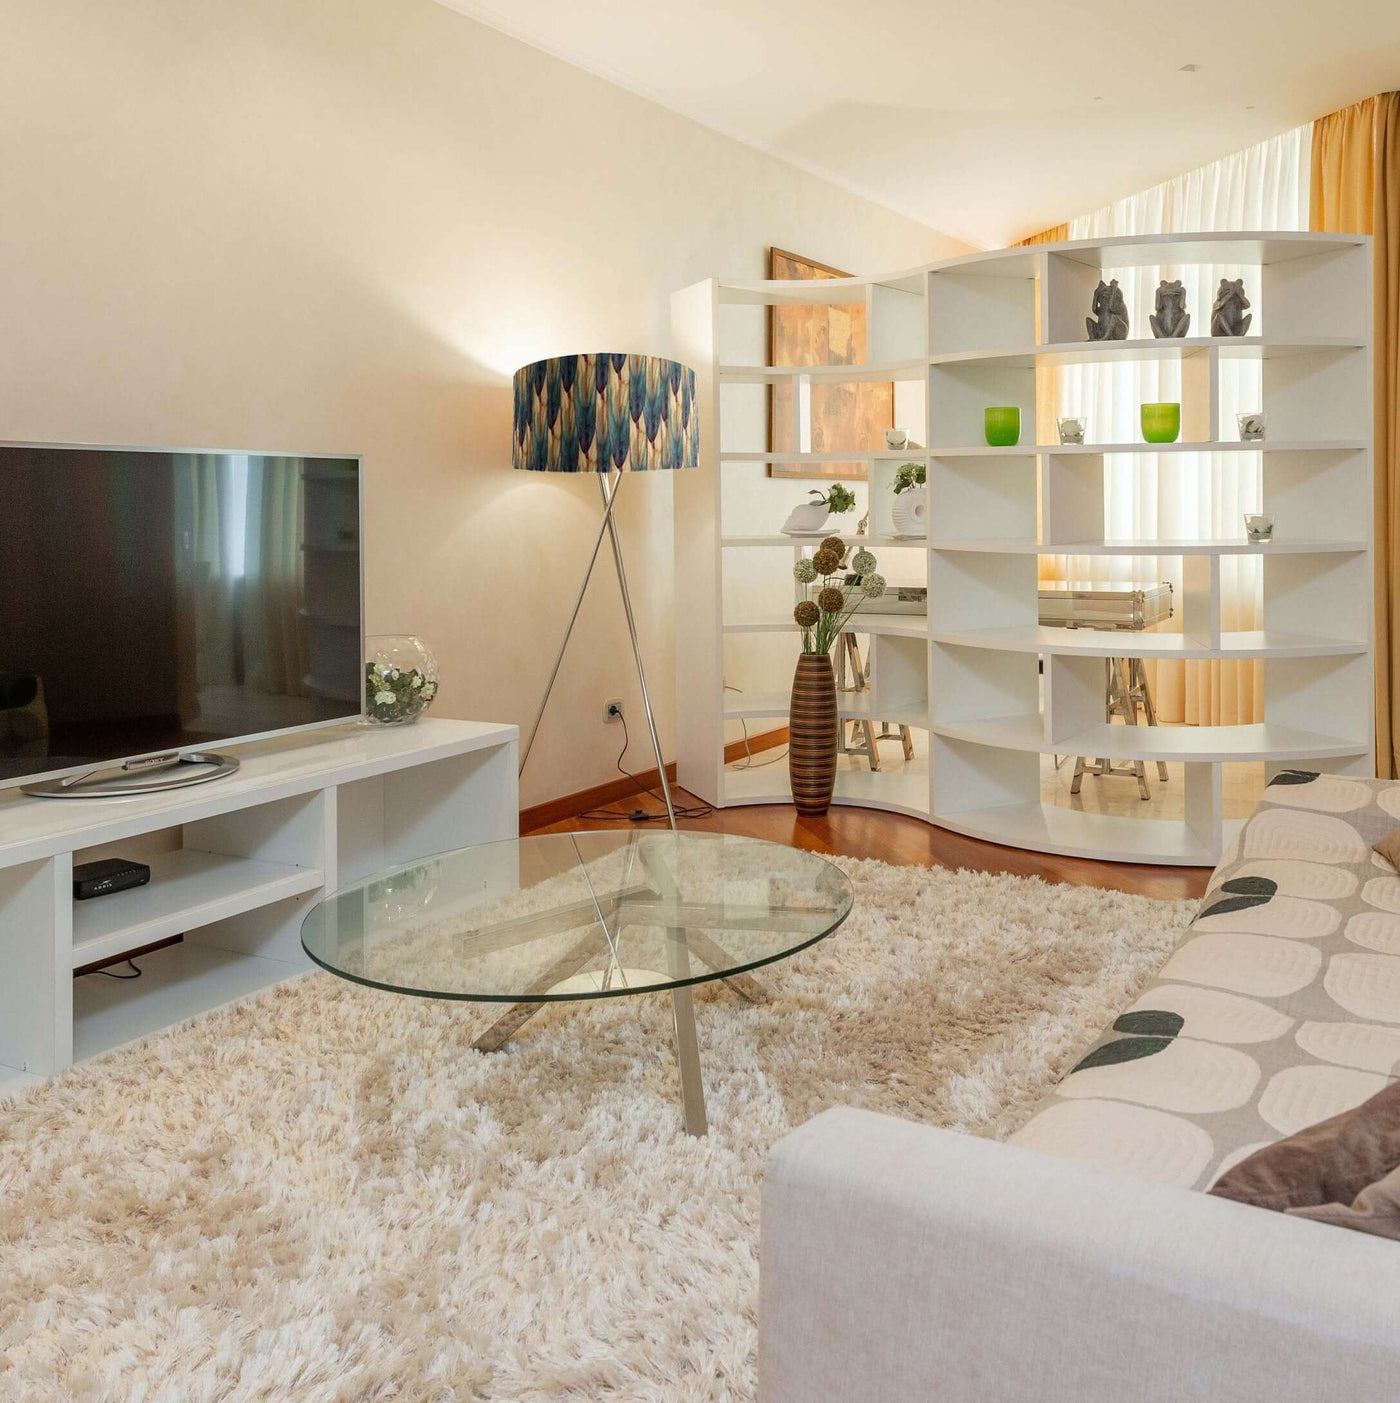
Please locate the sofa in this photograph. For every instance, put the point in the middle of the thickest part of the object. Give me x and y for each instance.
(1083, 1261)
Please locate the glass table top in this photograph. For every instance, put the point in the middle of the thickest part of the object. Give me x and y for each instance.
(578, 916)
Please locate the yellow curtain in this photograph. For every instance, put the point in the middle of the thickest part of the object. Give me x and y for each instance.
(1356, 190)
(1058, 235)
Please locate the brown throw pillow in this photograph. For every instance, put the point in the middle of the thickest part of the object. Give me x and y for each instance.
(1376, 1210)
(1389, 848)
(1329, 1167)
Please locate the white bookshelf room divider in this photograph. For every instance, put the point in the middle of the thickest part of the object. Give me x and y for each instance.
(988, 688)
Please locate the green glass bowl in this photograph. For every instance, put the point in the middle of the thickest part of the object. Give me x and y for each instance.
(1003, 425)
(1161, 423)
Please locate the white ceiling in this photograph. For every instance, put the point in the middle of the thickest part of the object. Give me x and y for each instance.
(986, 120)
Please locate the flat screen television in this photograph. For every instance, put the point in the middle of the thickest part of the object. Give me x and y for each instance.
(153, 602)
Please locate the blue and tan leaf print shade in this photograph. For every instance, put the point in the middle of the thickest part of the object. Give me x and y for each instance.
(594, 413)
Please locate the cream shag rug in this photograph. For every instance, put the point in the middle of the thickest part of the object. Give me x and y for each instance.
(324, 1193)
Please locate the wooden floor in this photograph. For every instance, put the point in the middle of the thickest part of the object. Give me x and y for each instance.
(893, 838)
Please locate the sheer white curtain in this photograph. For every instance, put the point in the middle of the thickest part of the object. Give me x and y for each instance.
(1186, 494)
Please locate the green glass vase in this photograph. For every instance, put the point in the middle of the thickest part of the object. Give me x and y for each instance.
(1161, 423)
(1002, 424)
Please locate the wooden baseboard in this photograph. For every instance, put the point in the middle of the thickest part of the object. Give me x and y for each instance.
(570, 805)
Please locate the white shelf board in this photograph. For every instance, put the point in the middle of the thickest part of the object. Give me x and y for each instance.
(188, 889)
(839, 292)
(1147, 348)
(1176, 250)
(1110, 643)
(895, 625)
(176, 983)
(902, 791)
(1074, 833)
(1026, 450)
(897, 455)
(1278, 546)
(1262, 741)
(850, 706)
(828, 374)
(783, 540)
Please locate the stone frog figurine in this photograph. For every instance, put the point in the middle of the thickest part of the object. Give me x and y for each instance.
(1111, 311)
(1227, 315)
(1171, 317)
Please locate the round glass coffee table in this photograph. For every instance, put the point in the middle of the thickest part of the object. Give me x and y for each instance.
(594, 915)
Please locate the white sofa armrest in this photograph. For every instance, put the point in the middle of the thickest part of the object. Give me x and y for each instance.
(903, 1264)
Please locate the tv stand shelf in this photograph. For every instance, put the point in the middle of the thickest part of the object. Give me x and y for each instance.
(304, 814)
(188, 889)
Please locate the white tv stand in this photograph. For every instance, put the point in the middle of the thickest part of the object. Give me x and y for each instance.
(234, 865)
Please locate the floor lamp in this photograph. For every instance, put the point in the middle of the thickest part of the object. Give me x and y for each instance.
(605, 414)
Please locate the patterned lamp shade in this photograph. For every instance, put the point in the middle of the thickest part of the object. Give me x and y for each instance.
(591, 414)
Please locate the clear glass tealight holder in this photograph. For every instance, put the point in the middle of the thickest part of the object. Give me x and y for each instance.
(1071, 430)
(1251, 426)
(1258, 526)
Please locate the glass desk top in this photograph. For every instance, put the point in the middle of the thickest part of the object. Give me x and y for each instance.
(578, 916)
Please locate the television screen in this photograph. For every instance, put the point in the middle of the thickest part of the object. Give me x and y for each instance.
(151, 601)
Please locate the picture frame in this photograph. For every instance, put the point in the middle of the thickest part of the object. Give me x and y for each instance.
(840, 417)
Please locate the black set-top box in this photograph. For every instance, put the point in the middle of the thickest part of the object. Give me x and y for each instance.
(111, 874)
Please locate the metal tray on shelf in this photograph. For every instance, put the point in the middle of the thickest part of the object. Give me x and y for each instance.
(1076, 604)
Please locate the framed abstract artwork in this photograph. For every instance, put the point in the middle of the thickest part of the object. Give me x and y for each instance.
(840, 417)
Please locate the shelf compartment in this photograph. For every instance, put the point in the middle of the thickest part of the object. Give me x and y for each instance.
(1281, 546)
(1102, 643)
(1196, 744)
(176, 983)
(990, 498)
(187, 890)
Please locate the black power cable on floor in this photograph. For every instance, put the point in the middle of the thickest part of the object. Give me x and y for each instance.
(641, 815)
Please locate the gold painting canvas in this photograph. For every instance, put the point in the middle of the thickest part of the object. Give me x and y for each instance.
(843, 417)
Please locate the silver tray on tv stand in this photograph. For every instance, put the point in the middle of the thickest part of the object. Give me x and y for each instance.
(146, 776)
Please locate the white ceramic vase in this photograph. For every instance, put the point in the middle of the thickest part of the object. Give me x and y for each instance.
(808, 519)
(910, 512)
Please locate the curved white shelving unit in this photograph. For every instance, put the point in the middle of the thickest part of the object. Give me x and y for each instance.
(993, 690)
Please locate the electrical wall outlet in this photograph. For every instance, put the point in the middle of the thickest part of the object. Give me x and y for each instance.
(612, 710)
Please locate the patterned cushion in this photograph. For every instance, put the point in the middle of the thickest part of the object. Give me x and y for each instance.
(1280, 1007)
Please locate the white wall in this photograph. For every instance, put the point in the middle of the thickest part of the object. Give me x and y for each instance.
(339, 225)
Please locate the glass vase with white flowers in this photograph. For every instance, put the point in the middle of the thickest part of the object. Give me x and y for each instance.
(822, 615)
(401, 679)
